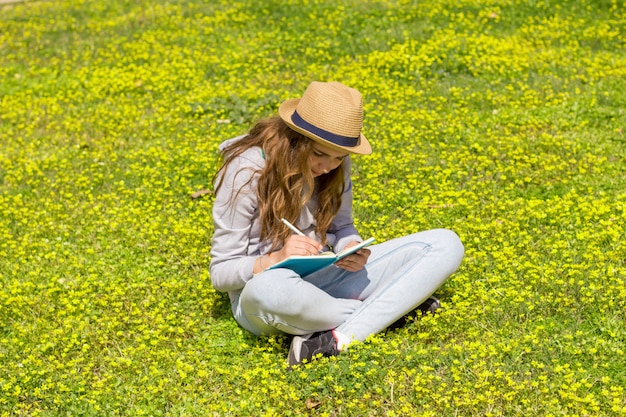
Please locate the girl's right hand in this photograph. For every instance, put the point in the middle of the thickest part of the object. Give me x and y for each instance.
(297, 245)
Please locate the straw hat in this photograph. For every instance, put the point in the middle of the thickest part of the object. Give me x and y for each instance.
(330, 114)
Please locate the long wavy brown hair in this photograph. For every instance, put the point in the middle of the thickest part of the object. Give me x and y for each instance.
(286, 182)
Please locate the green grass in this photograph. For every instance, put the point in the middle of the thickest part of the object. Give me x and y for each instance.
(504, 120)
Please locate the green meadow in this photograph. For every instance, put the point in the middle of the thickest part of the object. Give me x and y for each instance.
(504, 120)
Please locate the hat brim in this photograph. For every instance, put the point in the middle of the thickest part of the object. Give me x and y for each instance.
(286, 110)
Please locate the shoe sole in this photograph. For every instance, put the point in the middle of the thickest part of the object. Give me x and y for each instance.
(294, 350)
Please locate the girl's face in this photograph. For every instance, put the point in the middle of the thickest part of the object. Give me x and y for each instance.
(322, 159)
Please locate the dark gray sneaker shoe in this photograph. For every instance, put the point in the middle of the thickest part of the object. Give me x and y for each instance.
(431, 305)
(308, 346)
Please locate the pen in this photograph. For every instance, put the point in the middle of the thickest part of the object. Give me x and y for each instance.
(292, 227)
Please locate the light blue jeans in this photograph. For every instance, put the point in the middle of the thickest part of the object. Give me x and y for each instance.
(400, 274)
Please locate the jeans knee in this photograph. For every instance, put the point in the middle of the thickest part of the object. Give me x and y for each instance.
(452, 245)
(255, 292)
(270, 292)
(454, 241)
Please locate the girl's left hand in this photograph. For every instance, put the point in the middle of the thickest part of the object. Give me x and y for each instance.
(356, 261)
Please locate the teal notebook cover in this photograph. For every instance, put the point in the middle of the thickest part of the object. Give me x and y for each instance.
(306, 265)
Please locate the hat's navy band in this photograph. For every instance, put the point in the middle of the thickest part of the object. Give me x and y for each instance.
(324, 134)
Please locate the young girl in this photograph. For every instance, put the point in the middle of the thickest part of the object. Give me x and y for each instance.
(296, 166)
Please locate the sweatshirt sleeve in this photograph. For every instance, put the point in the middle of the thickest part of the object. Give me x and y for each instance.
(234, 240)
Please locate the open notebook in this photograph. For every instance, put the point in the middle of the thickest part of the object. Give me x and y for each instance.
(306, 265)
